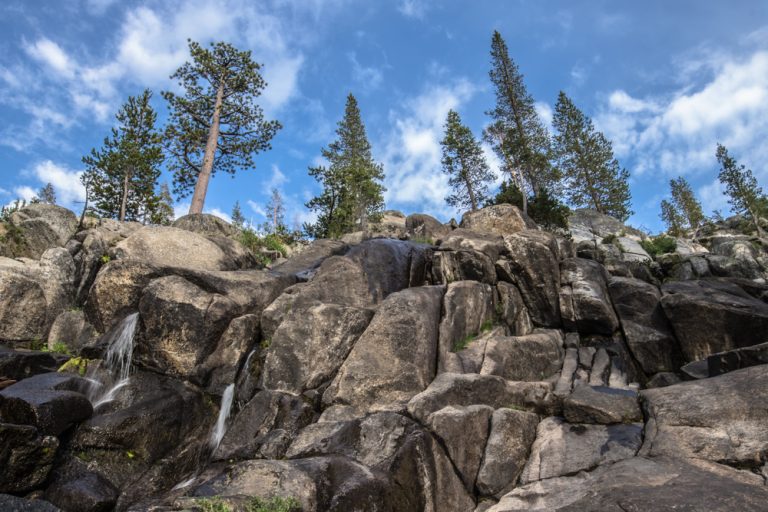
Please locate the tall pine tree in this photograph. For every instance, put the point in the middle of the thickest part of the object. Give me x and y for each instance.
(463, 160)
(47, 194)
(593, 177)
(122, 175)
(162, 210)
(276, 214)
(216, 125)
(744, 194)
(352, 194)
(517, 134)
(684, 210)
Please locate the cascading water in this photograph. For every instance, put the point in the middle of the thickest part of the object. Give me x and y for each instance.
(117, 362)
(221, 422)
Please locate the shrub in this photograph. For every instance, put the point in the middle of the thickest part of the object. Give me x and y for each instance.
(661, 244)
(276, 504)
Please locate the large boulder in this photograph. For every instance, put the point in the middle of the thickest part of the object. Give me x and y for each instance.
(585, 305)
(310, 345)
(462, 390)
(713, 316)
(511, 435)
(204, 224)
(26, 457)
(533, 357)
(424, 228)
(464, 264)
(174, 247)
(499, 219)
(305, 263)
(21, 364)
(512, 311)
(603, 405)
(468, 308)
(644, 324)
(72, 329)
(395, 357)
(642, 485)
(44, 226)
(562, 448)
(721, 419)
(533, 266)
(489, 244)
(52, 402)
(15, 504)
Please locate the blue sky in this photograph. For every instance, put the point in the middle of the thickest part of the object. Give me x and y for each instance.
(664, 80)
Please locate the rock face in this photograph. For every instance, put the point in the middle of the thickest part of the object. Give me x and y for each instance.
(713, 316)
(474, 368)
(395, 357)
(721, 419)
(44, 226)
(500, 219)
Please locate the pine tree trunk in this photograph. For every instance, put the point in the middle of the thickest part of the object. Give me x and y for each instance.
(124, 201)
(201, 187)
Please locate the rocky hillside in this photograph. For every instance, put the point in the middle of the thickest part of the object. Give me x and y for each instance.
(486, 366)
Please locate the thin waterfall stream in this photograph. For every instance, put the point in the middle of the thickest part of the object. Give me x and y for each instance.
(117, 362)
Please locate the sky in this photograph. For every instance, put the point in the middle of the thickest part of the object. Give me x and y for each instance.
(665, 81)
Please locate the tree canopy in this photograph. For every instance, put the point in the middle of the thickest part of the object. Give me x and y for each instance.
(593, 177)
(463, 161)
(745, 196)
(122, 175)
(352, 190)
(216, 124)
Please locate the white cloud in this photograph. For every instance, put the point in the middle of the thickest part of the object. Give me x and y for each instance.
(412, 149)
(218, 213)
(369, 78)
(182, 209)
(545, 112)
(66, 182)
(578, 75)
(51, 54)
(713, 197)
(256, 208)
(677, 134)
(25, 192)
(277, 180)
(413, 8)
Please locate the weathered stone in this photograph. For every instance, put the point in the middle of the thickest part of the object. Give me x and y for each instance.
(512, 310)
(86, 492)
(533, 266)
(561, 448)
(725, 362)
(603, 405)
(21, 364)
(266, 412)
(713, 316)
(472, 389)
(662, 379)
(72, 329)
(310, 346)
(451, 266)
(305, 263)
(395, 358)
(46, 401)
(721, 419)
(464, 431)
(25, 456)
(173, 247)
(10, 503)
(533, 357)
(499, 219)
(220, 368)
(488, 244)
(642, 485)
(585, 305)
(44, 226)
(22, 307)
(422, 227)
(567, 375)
(468, 307)
(204, 224)
(645, 326)
(511, 435)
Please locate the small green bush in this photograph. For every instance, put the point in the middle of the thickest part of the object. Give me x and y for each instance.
(58, 347)
(661, 244)
(214, 504)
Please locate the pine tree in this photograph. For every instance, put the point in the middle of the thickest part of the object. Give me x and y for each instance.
(684, 211)
(352, 194)
(672, 218)
(593, 176)
(517, 134)
(276, 213)
(238, 220)
(464, 162)
(161, 211)
(47, 194)
(744, 195)
(216, 125)
(122, 175)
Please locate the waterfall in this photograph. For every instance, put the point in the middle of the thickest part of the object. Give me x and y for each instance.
(221, 423)
(117, 362)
